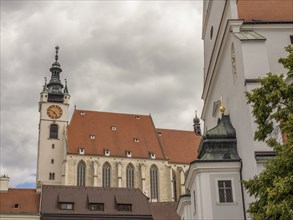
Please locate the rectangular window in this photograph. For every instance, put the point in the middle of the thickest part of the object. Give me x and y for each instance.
(52, 161)
(225, 191)
(66, 206)
(96, 206)
(124, 207)
(51, 176)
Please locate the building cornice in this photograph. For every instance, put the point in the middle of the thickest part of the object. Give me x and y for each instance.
(184, 200)
(199, 166)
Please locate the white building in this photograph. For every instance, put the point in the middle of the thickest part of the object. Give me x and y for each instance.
(243, 40)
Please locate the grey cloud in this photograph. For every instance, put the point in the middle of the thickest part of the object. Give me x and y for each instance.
(134, 57)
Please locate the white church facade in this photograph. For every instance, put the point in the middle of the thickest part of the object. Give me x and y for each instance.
(105, 149)
(243, 40)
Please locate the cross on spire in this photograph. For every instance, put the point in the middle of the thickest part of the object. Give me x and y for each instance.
(56, 56)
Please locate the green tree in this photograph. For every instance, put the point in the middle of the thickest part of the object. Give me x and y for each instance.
(272, 106)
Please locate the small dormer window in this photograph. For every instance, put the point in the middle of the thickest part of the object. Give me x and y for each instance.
(96, 206)
(66, 206)
(92, 137)
(82, 113)
(114, 128)
(124, 207)
(137, 117)
(135, 139)
(152, 155)
(81, 150)
(128, 153)
(107, 152)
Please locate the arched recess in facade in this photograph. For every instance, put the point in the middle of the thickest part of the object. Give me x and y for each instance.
(106, 181)
(81, 169)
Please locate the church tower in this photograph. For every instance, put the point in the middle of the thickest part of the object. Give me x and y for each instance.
(53, 108)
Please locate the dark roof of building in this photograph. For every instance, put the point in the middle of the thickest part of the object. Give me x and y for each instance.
(164, 211)
(120, 133)
(19, 201)
(268, 10)
(219, 143)
(179, 146)
(82, 196)
(223, 130)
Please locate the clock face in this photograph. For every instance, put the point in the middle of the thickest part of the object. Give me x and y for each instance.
(54, 111)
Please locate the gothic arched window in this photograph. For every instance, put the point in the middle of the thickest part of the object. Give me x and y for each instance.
(174, 185)
(130, 176)
(53, 131)
(106, 174)
(81, 173)
(154, 182)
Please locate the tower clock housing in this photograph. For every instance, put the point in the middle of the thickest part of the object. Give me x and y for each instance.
(53, 108)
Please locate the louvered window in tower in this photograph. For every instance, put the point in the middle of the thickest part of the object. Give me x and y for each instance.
(106, 174)
(154, 183)
(53, 131)
(130, 176)
(81, 167)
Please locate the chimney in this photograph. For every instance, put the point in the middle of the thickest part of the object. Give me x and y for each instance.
(4, 182)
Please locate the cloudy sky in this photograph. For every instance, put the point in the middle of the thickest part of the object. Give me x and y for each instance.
(136, 57)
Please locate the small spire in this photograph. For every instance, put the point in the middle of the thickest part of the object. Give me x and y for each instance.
(56, 56)
(222, 108)
(196, 119)
(45, 85)
(65, 88)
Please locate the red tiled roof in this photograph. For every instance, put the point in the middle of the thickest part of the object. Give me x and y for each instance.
(179, 146)
(128, 126)
(164, 211)
(27, 201)
(265, 10)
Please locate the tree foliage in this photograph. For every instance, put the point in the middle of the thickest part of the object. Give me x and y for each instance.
(272, 105)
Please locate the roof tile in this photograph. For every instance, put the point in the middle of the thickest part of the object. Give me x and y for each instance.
(265, 10)
(27, 200)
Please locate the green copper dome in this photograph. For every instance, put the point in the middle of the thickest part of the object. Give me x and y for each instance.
(219, 143)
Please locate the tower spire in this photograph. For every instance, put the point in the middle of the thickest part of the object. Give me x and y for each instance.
(56, 56)
(196, 124)
(55, 87)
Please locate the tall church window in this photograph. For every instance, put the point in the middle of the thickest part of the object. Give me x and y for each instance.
(53, 131)
(174, 185)
(106, 174)
(225, 191)
(81, 173)
(154, 183)
(130, 176)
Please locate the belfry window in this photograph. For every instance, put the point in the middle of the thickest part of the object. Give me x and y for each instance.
(81, 173)
(51, 176)
(53, 131)
(130, 176)
(154, 183)
(106, 174)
